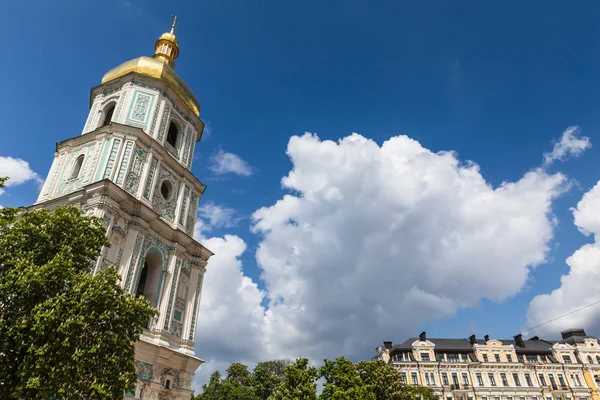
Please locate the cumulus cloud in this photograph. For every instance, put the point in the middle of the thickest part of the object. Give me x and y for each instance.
(231, 318)
(570, 145)
(579, 287)
(370, 242)
(18, 172)
(211, 215)
(223, 163)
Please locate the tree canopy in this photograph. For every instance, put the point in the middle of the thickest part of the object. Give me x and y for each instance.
(64, 333)
(342, 380)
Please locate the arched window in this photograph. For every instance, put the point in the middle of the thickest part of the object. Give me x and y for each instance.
(108, 114)
(149, 278)
(598, 359)
(590, 361)
(172, 134)
(77, 167)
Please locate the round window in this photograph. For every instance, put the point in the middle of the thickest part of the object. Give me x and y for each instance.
(166, 189)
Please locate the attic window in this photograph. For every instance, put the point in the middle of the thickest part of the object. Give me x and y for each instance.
(77, 167)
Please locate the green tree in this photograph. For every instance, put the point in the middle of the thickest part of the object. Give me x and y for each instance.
(299, 382)
(267, 376)
(64, 333)
(343, 381)
(237, 385)
(211, 390)
(385, 382)
(3, 181)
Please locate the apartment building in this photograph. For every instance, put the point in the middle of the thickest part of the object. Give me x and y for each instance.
(492, 369)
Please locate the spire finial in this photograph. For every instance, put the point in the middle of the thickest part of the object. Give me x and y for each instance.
(175, 22)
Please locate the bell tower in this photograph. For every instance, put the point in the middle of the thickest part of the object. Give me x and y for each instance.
(131, 166)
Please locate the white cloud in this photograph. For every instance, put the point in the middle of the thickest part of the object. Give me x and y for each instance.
(374, 241)
(211, 215)
(569, 145)
(223, 162)
(231, 317)
(579, 287)
(18, 172)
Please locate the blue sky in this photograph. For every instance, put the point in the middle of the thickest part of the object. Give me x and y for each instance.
(496, 82)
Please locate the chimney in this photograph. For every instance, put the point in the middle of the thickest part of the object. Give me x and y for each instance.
(472, 339)
(387, 345)
(519, 340)
(422, 336)
(572, 332)
(486, 338)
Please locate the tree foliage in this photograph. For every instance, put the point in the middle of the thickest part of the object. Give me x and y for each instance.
(343, 380)
(64, 333)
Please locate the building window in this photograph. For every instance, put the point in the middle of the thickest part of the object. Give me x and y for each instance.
(522, 398)
(455, 378)
(452, 357)
(492, 379)
(509, 398)
(485, 358)
(403, 377)
(172, 134)
(577, 380)
(553, 382)
(483, 398)
(77, 167)
(567, 360)
(534, 398)
(561, 380)
(542, 379)
(590, 360)
(520, 358)
(508, 358)
(108, 114)
(528, 380)
(427, 379)
(516, 379)
(598, 359)
(445, 379)
(465, 379)
(149, 278)
(425, 357)
(413, 378)
(497, 357)
(504, 380)
(166, 190)
(532, 358)
(479, 379)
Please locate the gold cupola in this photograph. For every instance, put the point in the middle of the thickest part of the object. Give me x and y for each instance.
(160, 66)
(166, 47)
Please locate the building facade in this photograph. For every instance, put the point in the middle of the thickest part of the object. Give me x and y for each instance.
(131, 166)
(491, 369)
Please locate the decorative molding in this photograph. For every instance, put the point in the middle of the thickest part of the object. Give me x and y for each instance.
(144, 371)
(112, 158)
(166, 208)
(186, 149)
(190, 223)
(195, 309)
(124, 162)
(137, 248)
(150, 178)
(163, 123)
(91, 116)
(174, 283)
(184, 205)
(135, 173)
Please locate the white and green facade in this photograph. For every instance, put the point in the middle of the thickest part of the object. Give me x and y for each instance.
(131, 166)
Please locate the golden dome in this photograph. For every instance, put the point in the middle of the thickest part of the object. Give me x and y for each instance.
(159, 66)
(158, 69)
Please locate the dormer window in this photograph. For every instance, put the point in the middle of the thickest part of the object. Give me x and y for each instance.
(173, 134)
(108, 114)
(77, 167)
